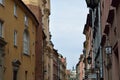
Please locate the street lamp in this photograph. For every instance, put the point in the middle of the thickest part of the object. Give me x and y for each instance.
(89, 59)
(92, 3)
(108, 51)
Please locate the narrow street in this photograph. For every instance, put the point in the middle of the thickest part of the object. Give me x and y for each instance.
(59, 40)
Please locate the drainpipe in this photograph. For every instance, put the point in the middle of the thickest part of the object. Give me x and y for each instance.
(100, 32)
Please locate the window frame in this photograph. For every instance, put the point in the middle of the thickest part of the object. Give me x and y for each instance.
(1, 29)
(26, 20)
(15, 38)
(15, 10)
(26, 42)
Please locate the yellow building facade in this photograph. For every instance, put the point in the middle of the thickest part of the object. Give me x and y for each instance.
(44, 7)
(18, 29)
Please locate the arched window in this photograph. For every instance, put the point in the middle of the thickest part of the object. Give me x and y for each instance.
(26, 42)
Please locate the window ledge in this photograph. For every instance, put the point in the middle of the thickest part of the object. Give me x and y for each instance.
(26, 54)
(1, 4)
(15, 46)
(15, 16)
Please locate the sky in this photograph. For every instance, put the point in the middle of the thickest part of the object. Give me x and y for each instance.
(67, 21)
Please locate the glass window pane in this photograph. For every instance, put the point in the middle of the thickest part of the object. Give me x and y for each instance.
(15, 38)
(26, 20)
(26, 43)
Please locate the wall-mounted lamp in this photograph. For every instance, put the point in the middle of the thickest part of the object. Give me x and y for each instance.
(108, 50)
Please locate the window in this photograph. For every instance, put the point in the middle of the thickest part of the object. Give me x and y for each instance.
(26, 20)
(1, 1)
(26, 42)
(1, 29)
(26, 74)
(15, 9)
(15, 75)
(15, 38)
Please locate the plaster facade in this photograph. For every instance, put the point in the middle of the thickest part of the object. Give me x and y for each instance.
(18, 20)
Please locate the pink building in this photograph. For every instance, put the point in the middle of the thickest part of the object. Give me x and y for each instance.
(80, 73)
(107, 24)
(110, 15)
(68, 74)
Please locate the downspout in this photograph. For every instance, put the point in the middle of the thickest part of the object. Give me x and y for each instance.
(100, 32)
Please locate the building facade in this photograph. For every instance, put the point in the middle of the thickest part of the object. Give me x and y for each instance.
(44, 46)
(55, 65)
(105, 28)
(73, 74)
(110, 37)
(18, 29)
(62, 68)
(26, 50)
(80, 71)
(34, 6)
(68, 74)
(88, 46)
